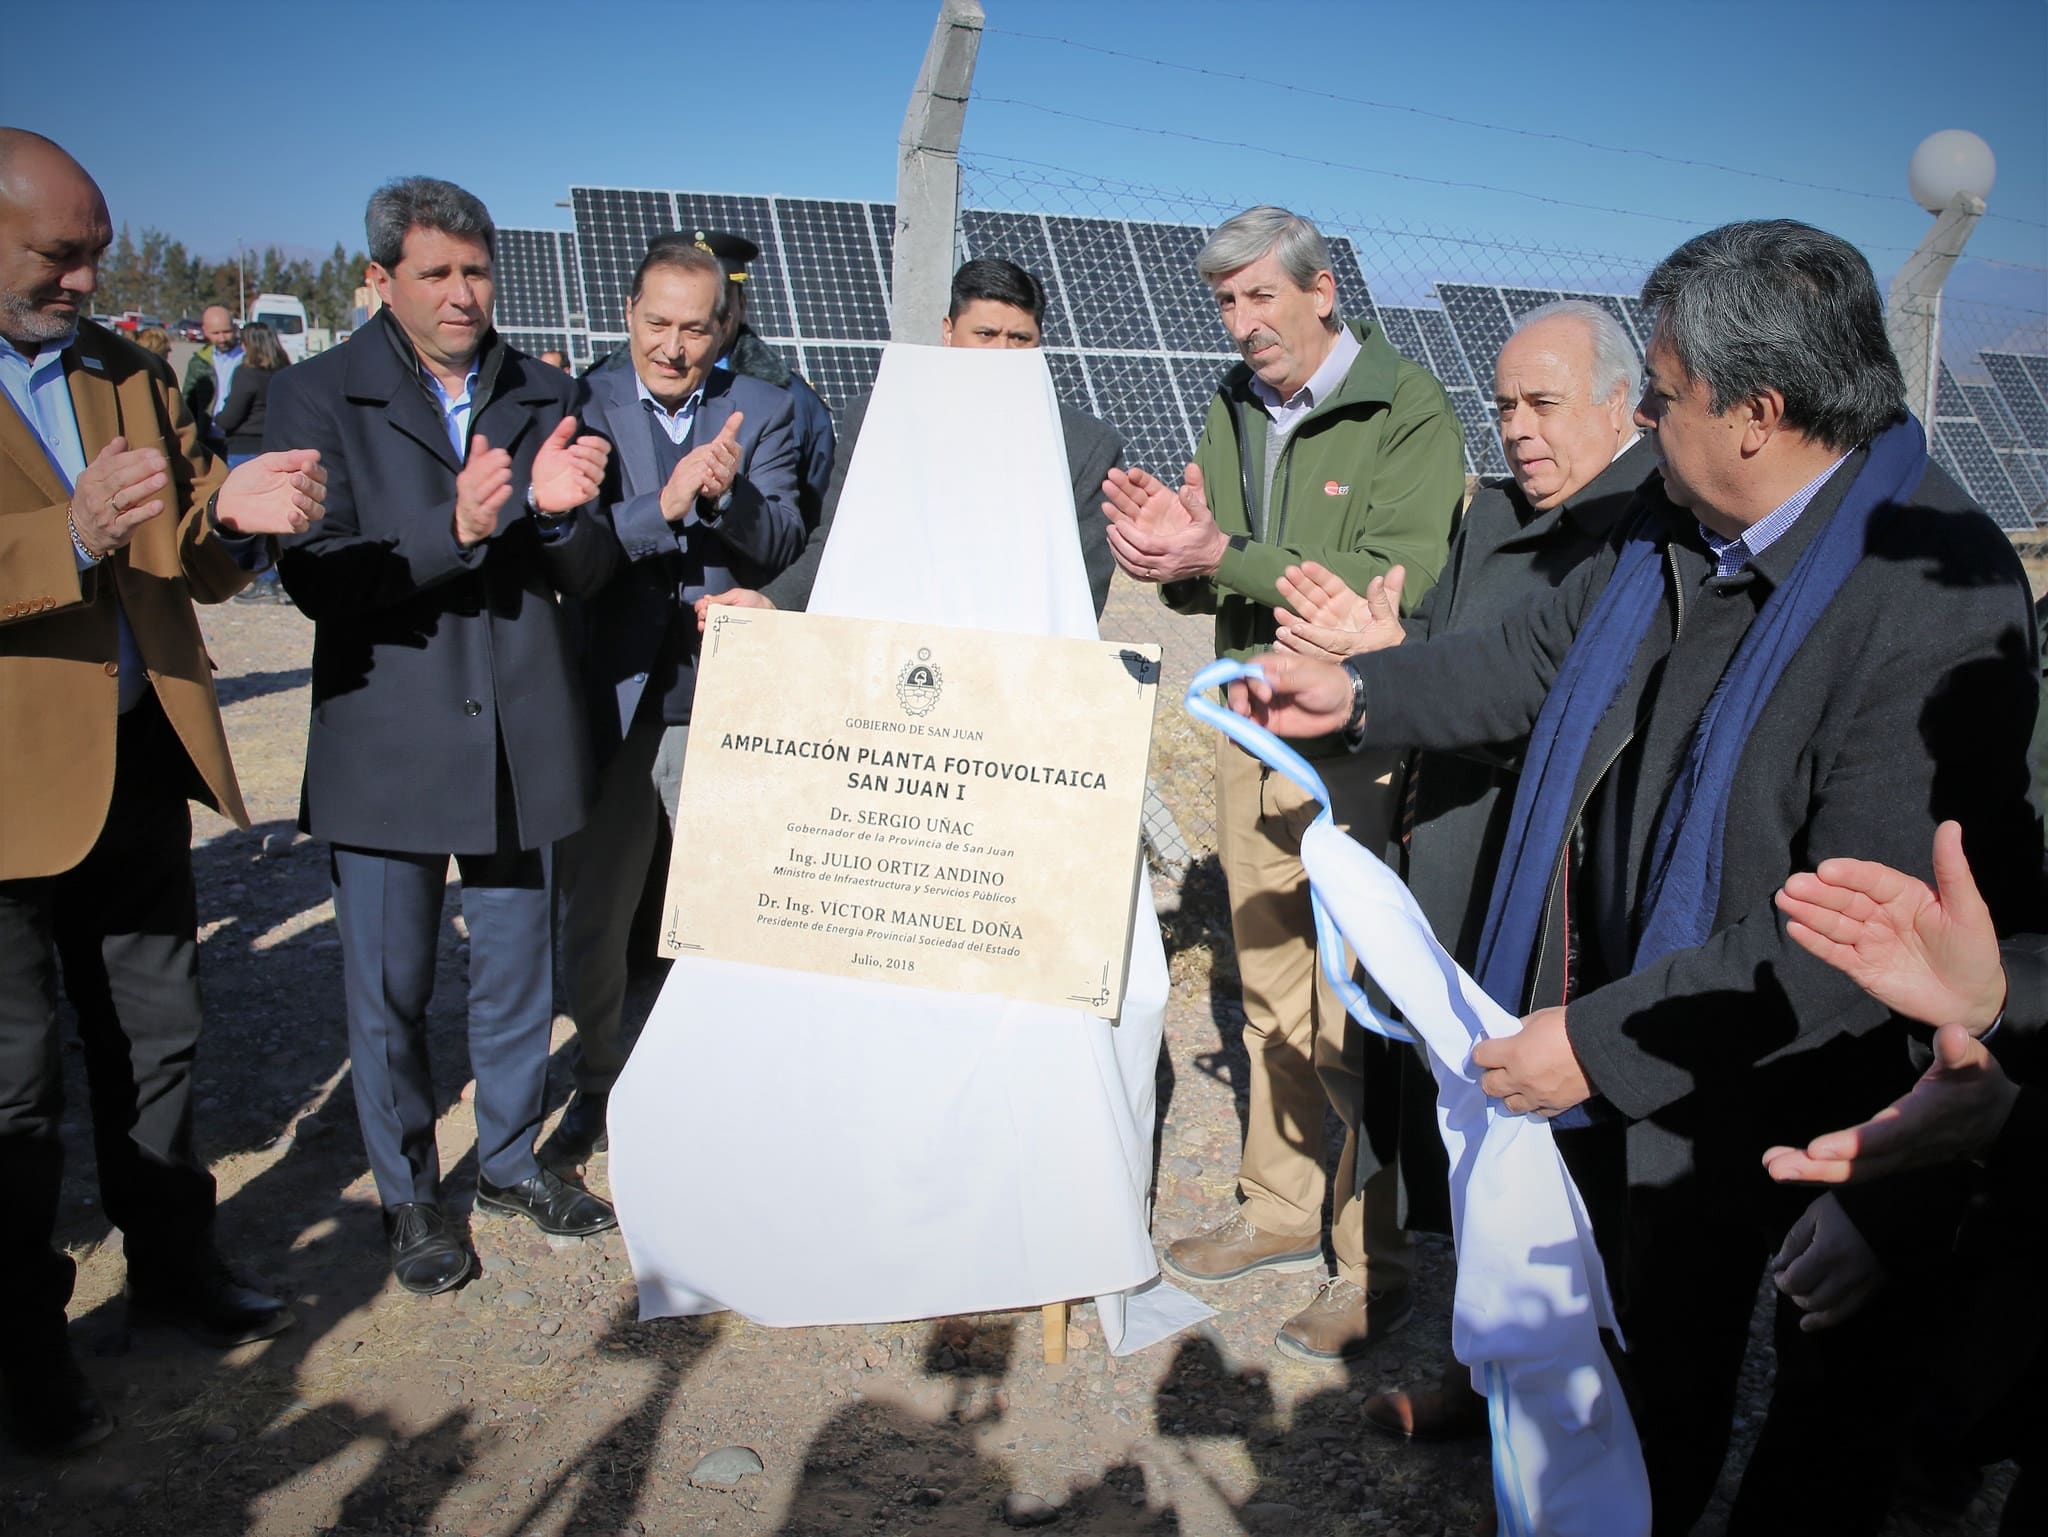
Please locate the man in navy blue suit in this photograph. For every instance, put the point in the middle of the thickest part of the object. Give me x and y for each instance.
(701, 491)
(445, 698)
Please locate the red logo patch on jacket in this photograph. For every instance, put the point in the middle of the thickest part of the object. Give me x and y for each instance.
(1331, 488)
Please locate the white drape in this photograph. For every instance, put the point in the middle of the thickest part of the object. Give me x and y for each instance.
(814, 1150)
(1532, 1291)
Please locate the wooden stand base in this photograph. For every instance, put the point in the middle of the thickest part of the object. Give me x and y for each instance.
(1053, 1324)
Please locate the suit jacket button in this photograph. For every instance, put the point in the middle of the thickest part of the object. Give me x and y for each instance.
(112, 669)
(471, 707)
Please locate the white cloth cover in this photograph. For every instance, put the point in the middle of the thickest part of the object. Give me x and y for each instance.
(1532, 1290)
(806, 1149)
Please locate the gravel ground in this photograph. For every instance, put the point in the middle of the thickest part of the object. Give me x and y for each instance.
(531, 1401)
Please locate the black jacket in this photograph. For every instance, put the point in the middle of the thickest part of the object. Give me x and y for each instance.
(428, 658)
(240, 418)
(1912, 700)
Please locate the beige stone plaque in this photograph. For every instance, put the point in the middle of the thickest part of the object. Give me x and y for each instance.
(929, 806)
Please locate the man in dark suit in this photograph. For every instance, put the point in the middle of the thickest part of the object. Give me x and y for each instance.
(445, 703)
(995, 303)
(113, 523)
(1809, 643)
(1565, 388)
(701, 493)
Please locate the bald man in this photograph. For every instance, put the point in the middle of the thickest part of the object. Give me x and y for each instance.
(212, 370)
(113, 522)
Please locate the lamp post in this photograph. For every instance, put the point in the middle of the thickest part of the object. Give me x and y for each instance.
(1950, 176)
(241, 285)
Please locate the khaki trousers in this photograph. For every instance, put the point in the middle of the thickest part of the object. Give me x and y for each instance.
(1306, 1052)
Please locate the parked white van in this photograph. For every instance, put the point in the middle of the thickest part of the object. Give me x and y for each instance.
(287, 317)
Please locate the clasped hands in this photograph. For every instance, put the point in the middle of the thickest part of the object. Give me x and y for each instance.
(567, 472)
(122, 489)
(1158, 534)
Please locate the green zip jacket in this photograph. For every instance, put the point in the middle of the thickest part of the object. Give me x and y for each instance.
(1373, 477)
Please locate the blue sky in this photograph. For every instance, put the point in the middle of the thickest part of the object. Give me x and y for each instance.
(518, 100)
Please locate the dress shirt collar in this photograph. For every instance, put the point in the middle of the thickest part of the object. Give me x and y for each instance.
(1344, 350)
(675, 423)
(1731, 555)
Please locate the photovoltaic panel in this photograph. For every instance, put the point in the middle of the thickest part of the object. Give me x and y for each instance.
(1447, 359)
(1988, 406)
(2037, 370)
(1070, 380)
(751, 218)
(1482, 432)
(882, 220)
(613, 226)
(1020, 237)
(1967, 456)
(529, 273)
(1404, 335)
(1522, 300)
(1134, 394)
(832, 246)
(1354, 294)
(2028, 473)
(2024, 402)
(1198, 379)
(840, 373)
(1182, 301)
(1480, 319)
(1100, 276)
(533, 343)
(1949, 399)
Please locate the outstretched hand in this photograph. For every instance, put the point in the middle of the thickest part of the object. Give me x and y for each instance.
(1930, 955)
(1955, 1111)
(1297, 697)
(274, 493)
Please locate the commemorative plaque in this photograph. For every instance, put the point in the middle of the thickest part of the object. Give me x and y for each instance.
(935, 807)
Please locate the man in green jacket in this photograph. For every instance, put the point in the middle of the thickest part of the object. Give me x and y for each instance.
(1326, 445)
(209, 372)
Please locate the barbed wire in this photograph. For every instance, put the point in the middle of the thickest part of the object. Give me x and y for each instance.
(1467, 122)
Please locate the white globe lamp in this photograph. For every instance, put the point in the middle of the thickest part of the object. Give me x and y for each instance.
(1948, 164)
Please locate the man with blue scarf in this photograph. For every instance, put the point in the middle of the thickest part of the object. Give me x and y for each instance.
(1804, 641)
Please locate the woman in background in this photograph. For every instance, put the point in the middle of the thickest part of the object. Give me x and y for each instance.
(240, 417)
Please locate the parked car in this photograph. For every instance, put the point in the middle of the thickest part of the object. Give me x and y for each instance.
(187, 329)
(133, 321)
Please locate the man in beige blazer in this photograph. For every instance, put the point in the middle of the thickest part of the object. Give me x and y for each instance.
(113, 521)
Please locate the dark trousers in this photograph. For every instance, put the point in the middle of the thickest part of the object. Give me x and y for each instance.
(1830, 1447)
(122, 926)
(387, 907)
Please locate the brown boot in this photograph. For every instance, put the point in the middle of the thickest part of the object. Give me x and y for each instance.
(1450, 1411)
(1343, 1322)
(1235, 1248)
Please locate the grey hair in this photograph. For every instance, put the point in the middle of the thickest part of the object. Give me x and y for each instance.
(1243, 238)
(1776, 304)
(1615, 364)
(423, 202)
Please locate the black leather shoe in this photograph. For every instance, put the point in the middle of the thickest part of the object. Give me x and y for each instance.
(550, 1203)
(51, 1409)
(580, 1132)
(209, 1302)
(425, 1256)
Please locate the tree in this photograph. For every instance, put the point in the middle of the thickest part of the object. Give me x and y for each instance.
(121, 276)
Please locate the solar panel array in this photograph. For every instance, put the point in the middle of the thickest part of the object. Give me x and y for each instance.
(1131, 332)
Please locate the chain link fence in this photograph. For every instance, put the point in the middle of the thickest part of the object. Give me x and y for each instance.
(1447, 299)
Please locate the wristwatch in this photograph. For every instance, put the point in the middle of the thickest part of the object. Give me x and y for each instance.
(1356, 718)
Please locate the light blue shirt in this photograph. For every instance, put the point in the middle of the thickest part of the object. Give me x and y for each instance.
(224, 366)
(1731, 555)
(36, 389)
(454, 410)
(675, 423)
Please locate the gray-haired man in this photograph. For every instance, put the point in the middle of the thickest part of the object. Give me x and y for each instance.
(1323, 445)
(1565, 388)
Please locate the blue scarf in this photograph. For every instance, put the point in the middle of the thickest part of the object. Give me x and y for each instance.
(1685, 858)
